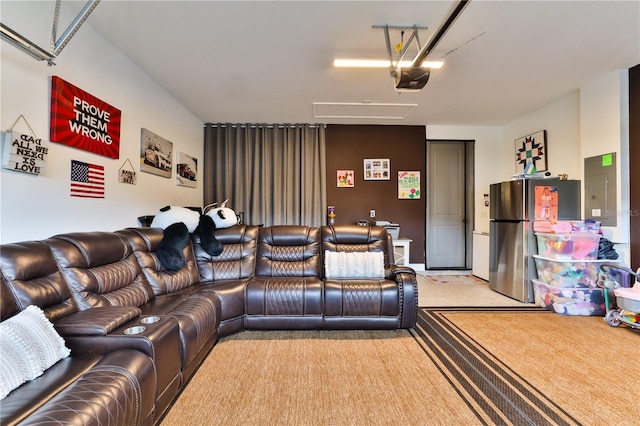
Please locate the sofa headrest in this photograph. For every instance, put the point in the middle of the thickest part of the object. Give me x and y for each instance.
(33, 278)
(96, 248)
(353, 234)
(142, 239)
(236, 234)
(288, 235)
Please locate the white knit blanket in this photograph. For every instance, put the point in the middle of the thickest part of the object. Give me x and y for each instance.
(354, 265)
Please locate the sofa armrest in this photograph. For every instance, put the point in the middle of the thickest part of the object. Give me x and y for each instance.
(408, 287)
(118, 388)
(96, 321)
(393, 270)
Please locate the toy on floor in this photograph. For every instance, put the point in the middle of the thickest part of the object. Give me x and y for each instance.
(627, 306)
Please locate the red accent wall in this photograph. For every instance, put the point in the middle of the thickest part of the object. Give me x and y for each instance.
(405, 147)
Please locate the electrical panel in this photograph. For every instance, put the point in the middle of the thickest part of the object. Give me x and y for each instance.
(600, 187)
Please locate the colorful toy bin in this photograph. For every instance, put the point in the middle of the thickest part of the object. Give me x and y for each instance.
(585, 226)
(569, 301)
(568, 273)
(568, 246)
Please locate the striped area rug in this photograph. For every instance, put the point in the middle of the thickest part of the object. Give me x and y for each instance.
(528, 366)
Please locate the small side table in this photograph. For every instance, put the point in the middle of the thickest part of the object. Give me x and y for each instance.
(401, 251)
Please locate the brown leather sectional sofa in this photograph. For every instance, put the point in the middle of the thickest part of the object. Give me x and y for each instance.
(137, 332)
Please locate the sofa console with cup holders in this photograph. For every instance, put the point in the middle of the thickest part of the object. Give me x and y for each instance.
(131, 333)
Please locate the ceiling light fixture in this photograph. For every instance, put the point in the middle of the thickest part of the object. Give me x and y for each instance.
(412, 75)
(382, 63)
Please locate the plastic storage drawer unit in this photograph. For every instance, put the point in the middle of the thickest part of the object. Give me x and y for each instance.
(568, 273)
(568, 246)
(569, 301)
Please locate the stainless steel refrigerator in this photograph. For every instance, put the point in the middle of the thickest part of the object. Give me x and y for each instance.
(512, 239)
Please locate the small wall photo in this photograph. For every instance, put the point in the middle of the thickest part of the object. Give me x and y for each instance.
(377, 169)
(345, 179)
(186, 170)
(156, 154)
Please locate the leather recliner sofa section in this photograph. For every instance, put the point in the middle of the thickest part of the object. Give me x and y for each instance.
(117, 386)
(102, 270)
(95, 287)
(286, 291)
(385, 303)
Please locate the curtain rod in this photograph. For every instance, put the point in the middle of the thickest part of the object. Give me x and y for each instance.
(269, 126)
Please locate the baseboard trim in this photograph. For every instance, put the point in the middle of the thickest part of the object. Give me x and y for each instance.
(417, 266)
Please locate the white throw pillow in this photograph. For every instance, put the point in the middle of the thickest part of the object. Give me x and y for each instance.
(29, 345)
(354, 264)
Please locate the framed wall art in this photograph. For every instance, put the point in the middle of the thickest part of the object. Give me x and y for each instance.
(377, 169)
(186, 170)
(409, 185)
(82, 121)
(345, 179)
(23, 152)
(156, 154)
(127, 174)
(87, 180)
(531, 153)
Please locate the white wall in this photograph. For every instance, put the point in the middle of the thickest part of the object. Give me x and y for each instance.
(604, 128)
(561, 120)
(590, 122)
(36, 207)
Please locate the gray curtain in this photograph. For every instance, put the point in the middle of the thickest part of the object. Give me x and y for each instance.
(274, 174)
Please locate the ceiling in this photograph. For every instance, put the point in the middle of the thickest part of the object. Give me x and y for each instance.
(269, 61)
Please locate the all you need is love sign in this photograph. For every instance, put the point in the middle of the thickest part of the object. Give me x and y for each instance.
(24, 153)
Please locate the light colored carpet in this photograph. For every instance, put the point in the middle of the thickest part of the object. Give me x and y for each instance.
(319, 378)
(445, 290)
(458, 366)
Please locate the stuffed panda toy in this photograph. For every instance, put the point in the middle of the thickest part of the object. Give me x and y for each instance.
(178, 223)
(223, 216)
(170, 215)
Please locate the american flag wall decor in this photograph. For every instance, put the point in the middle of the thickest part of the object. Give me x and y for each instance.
(87, 180)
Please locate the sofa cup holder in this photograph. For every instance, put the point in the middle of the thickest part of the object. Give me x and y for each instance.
(135, 329)
(150, 320)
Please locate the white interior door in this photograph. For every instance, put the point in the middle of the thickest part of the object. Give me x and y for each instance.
(446, 225)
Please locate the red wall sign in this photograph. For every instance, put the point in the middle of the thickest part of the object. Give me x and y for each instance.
(80, 120)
